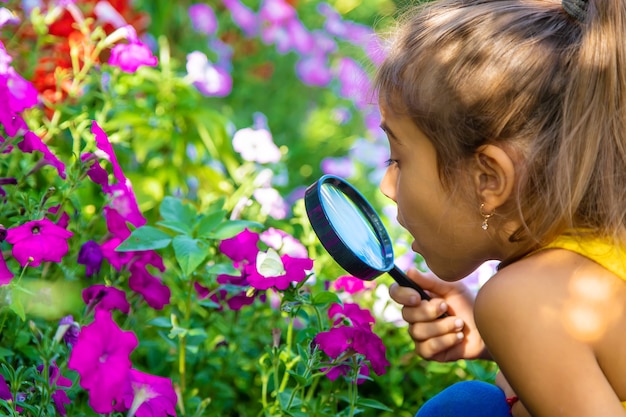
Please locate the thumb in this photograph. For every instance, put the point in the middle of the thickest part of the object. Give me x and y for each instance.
(430, 282)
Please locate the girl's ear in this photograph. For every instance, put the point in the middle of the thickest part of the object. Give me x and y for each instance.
(494, 176)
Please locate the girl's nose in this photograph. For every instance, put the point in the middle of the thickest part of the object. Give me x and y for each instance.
(388, 185)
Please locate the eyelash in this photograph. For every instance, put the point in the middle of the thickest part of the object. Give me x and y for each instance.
(390, 162)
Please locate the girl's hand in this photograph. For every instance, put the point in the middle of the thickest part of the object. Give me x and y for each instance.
(440, 339)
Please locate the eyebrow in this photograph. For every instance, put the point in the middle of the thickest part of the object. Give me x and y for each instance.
(387, 130)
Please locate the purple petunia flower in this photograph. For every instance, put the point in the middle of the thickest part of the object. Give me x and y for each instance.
(242, 247)
(91, 256)
(130, 56)
(355, 83)
(101, 358)
(38, 241)
(102, 297)
(211, 80)
(314, 70)
(59, 396)
(32, 142)
(5, 273)
(5, 391)
(342, 166)
(203, 18)
(68, 330)
(243, 17)
(149, 395)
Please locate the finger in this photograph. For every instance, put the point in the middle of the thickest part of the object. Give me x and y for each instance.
(424, 311)
(404, 295)
(438, 348)
(422, 331)
(430, 282)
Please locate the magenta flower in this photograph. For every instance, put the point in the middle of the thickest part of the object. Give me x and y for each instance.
(348, 341)
(351, 314)
(32, 142)
(149, 396)
(242, 247)
(211, 80)
(123, 196)
(38, 241)
(21, 94)
(5, 273)
(5, 391)
(269, 271)
(351, 285)
(95, 171)
(203, 18)
(130, 56)
(150, 287)
(91, 256)
(101, 358)
(106, 298)
(59, 396)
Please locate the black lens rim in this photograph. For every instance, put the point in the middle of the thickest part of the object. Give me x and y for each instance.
(330, 239)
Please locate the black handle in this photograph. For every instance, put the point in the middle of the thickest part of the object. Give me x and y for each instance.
(405, 281)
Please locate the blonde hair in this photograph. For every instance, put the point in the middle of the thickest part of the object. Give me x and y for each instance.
(527, 76)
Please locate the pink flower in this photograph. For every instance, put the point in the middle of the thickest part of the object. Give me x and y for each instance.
(242, 247)
(150, 287)
(284, 243)
(38, 241)
(129, 57)
(101, 358)
(149, 396)
(5, 273)
(106, 298)
(203, 18)
(32, 142)
(350, 314)
(351, 285)
(123, 196)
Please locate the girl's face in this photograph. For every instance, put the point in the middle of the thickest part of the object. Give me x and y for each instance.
(446, 228)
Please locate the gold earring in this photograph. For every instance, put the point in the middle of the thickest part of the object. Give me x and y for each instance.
(486, 216)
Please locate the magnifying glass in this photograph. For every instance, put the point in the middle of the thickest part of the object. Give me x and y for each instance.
(351, 232)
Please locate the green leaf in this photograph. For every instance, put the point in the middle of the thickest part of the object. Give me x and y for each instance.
(190, 253)
(173, 209)
(145, 238)
(18, 308)
(299, 378)
(6, 352)
(209, 222)
(366, 402)
(232, 228)
(325, 297)
(175, 225)
(164, 322)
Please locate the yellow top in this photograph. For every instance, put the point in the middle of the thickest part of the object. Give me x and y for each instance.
(598, 250)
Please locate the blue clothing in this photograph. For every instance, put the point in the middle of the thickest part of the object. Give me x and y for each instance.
(467, 399)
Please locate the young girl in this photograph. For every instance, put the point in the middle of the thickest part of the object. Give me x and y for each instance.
(507, 128)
